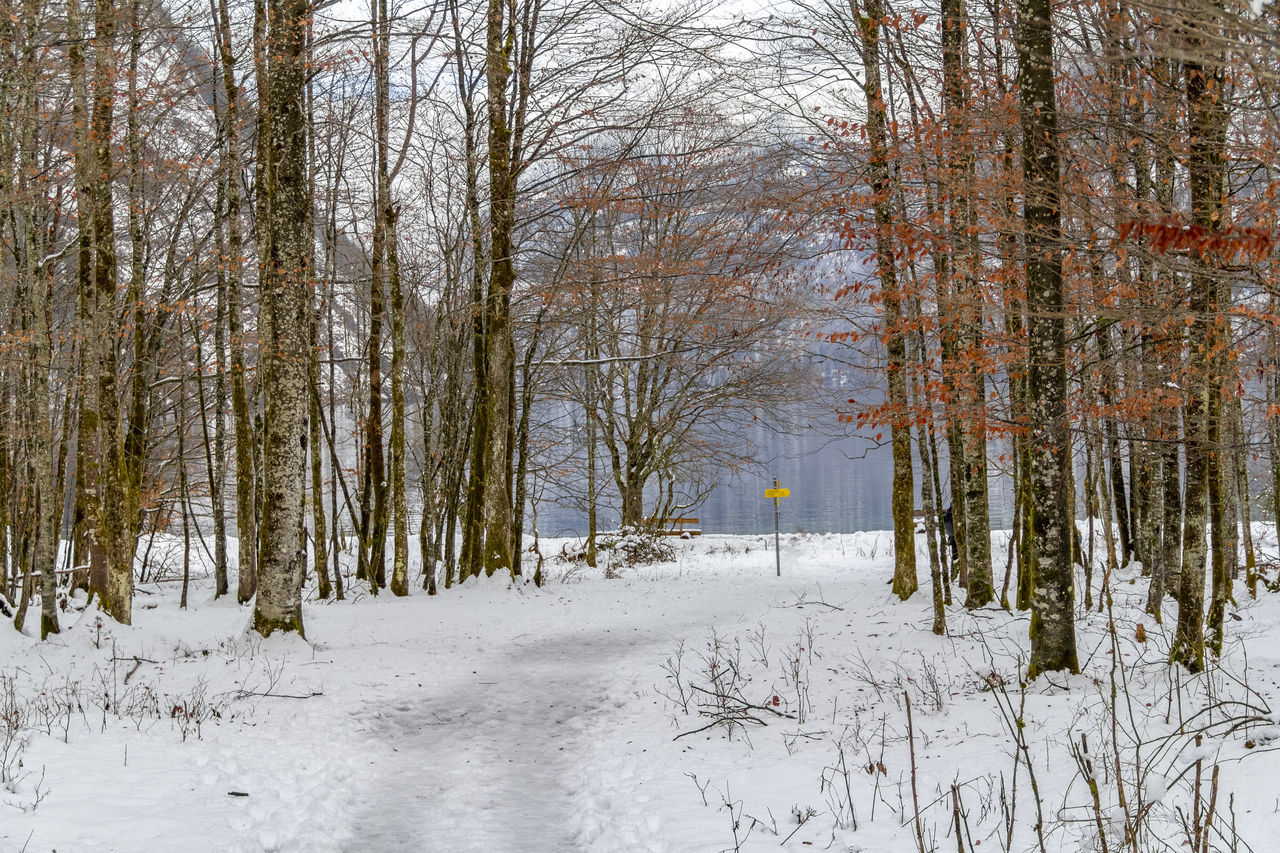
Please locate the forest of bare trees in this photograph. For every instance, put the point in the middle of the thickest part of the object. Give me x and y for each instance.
(334, 291)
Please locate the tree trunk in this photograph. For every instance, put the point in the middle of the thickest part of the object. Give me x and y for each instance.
(1053, 644)
(1273, 416)
(87, 443)
(1113, 462)
(1240, 483)
(1170, 574)
(318, 532)
(471, 560)
(335, 470)
(1205, 168)
(1173, 292)
(218, 468)
(905, 582)
(632, 496)
(117, 595)
(180, 427)
(500, 347)
(522, 450)
(1273, 423)
(428, 540)
(286, 291)
(246, 527)
(965, 271)
(399, 500)
(955, 452)
(592, 518)
(373, 487)
(937, 568)
(1118, 494)
(1219, 514)
(1223, 522)
(135, 439)
(30, 228)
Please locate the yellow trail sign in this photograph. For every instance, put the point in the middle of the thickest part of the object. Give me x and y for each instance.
(777, 492)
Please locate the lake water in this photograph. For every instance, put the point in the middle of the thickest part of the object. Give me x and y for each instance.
(837, 486)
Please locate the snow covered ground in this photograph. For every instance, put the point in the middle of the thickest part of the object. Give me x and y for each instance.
(593, 715)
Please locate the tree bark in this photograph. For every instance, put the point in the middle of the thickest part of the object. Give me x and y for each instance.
(905, 582)
(316, 450)
(1273, 424)
(471, 560)
(246, 522)
(1053, 644)
(1172, 292)
(117, 594)
(1240, 483)
(937, 567)
(86, 512)
(500, 346)
(218, 468)
(30, 228)
(1203, 84)
(286, 291)
(373, 491)
(965, 271)
(399, 500)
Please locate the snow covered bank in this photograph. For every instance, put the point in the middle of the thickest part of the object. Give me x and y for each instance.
(697, 705)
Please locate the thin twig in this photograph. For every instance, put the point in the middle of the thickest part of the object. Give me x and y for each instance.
(915, 797)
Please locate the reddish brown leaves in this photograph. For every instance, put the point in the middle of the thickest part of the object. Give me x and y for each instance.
(1172, 234)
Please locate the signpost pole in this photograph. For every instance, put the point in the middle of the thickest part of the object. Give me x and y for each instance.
(777, 548)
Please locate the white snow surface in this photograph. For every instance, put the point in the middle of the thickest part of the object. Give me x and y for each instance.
(500, 717)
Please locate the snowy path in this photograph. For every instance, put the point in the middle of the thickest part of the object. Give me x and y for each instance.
(493, 719)
(487, 719)
(491, 757)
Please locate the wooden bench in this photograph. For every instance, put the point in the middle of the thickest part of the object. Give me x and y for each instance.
(674, 526)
